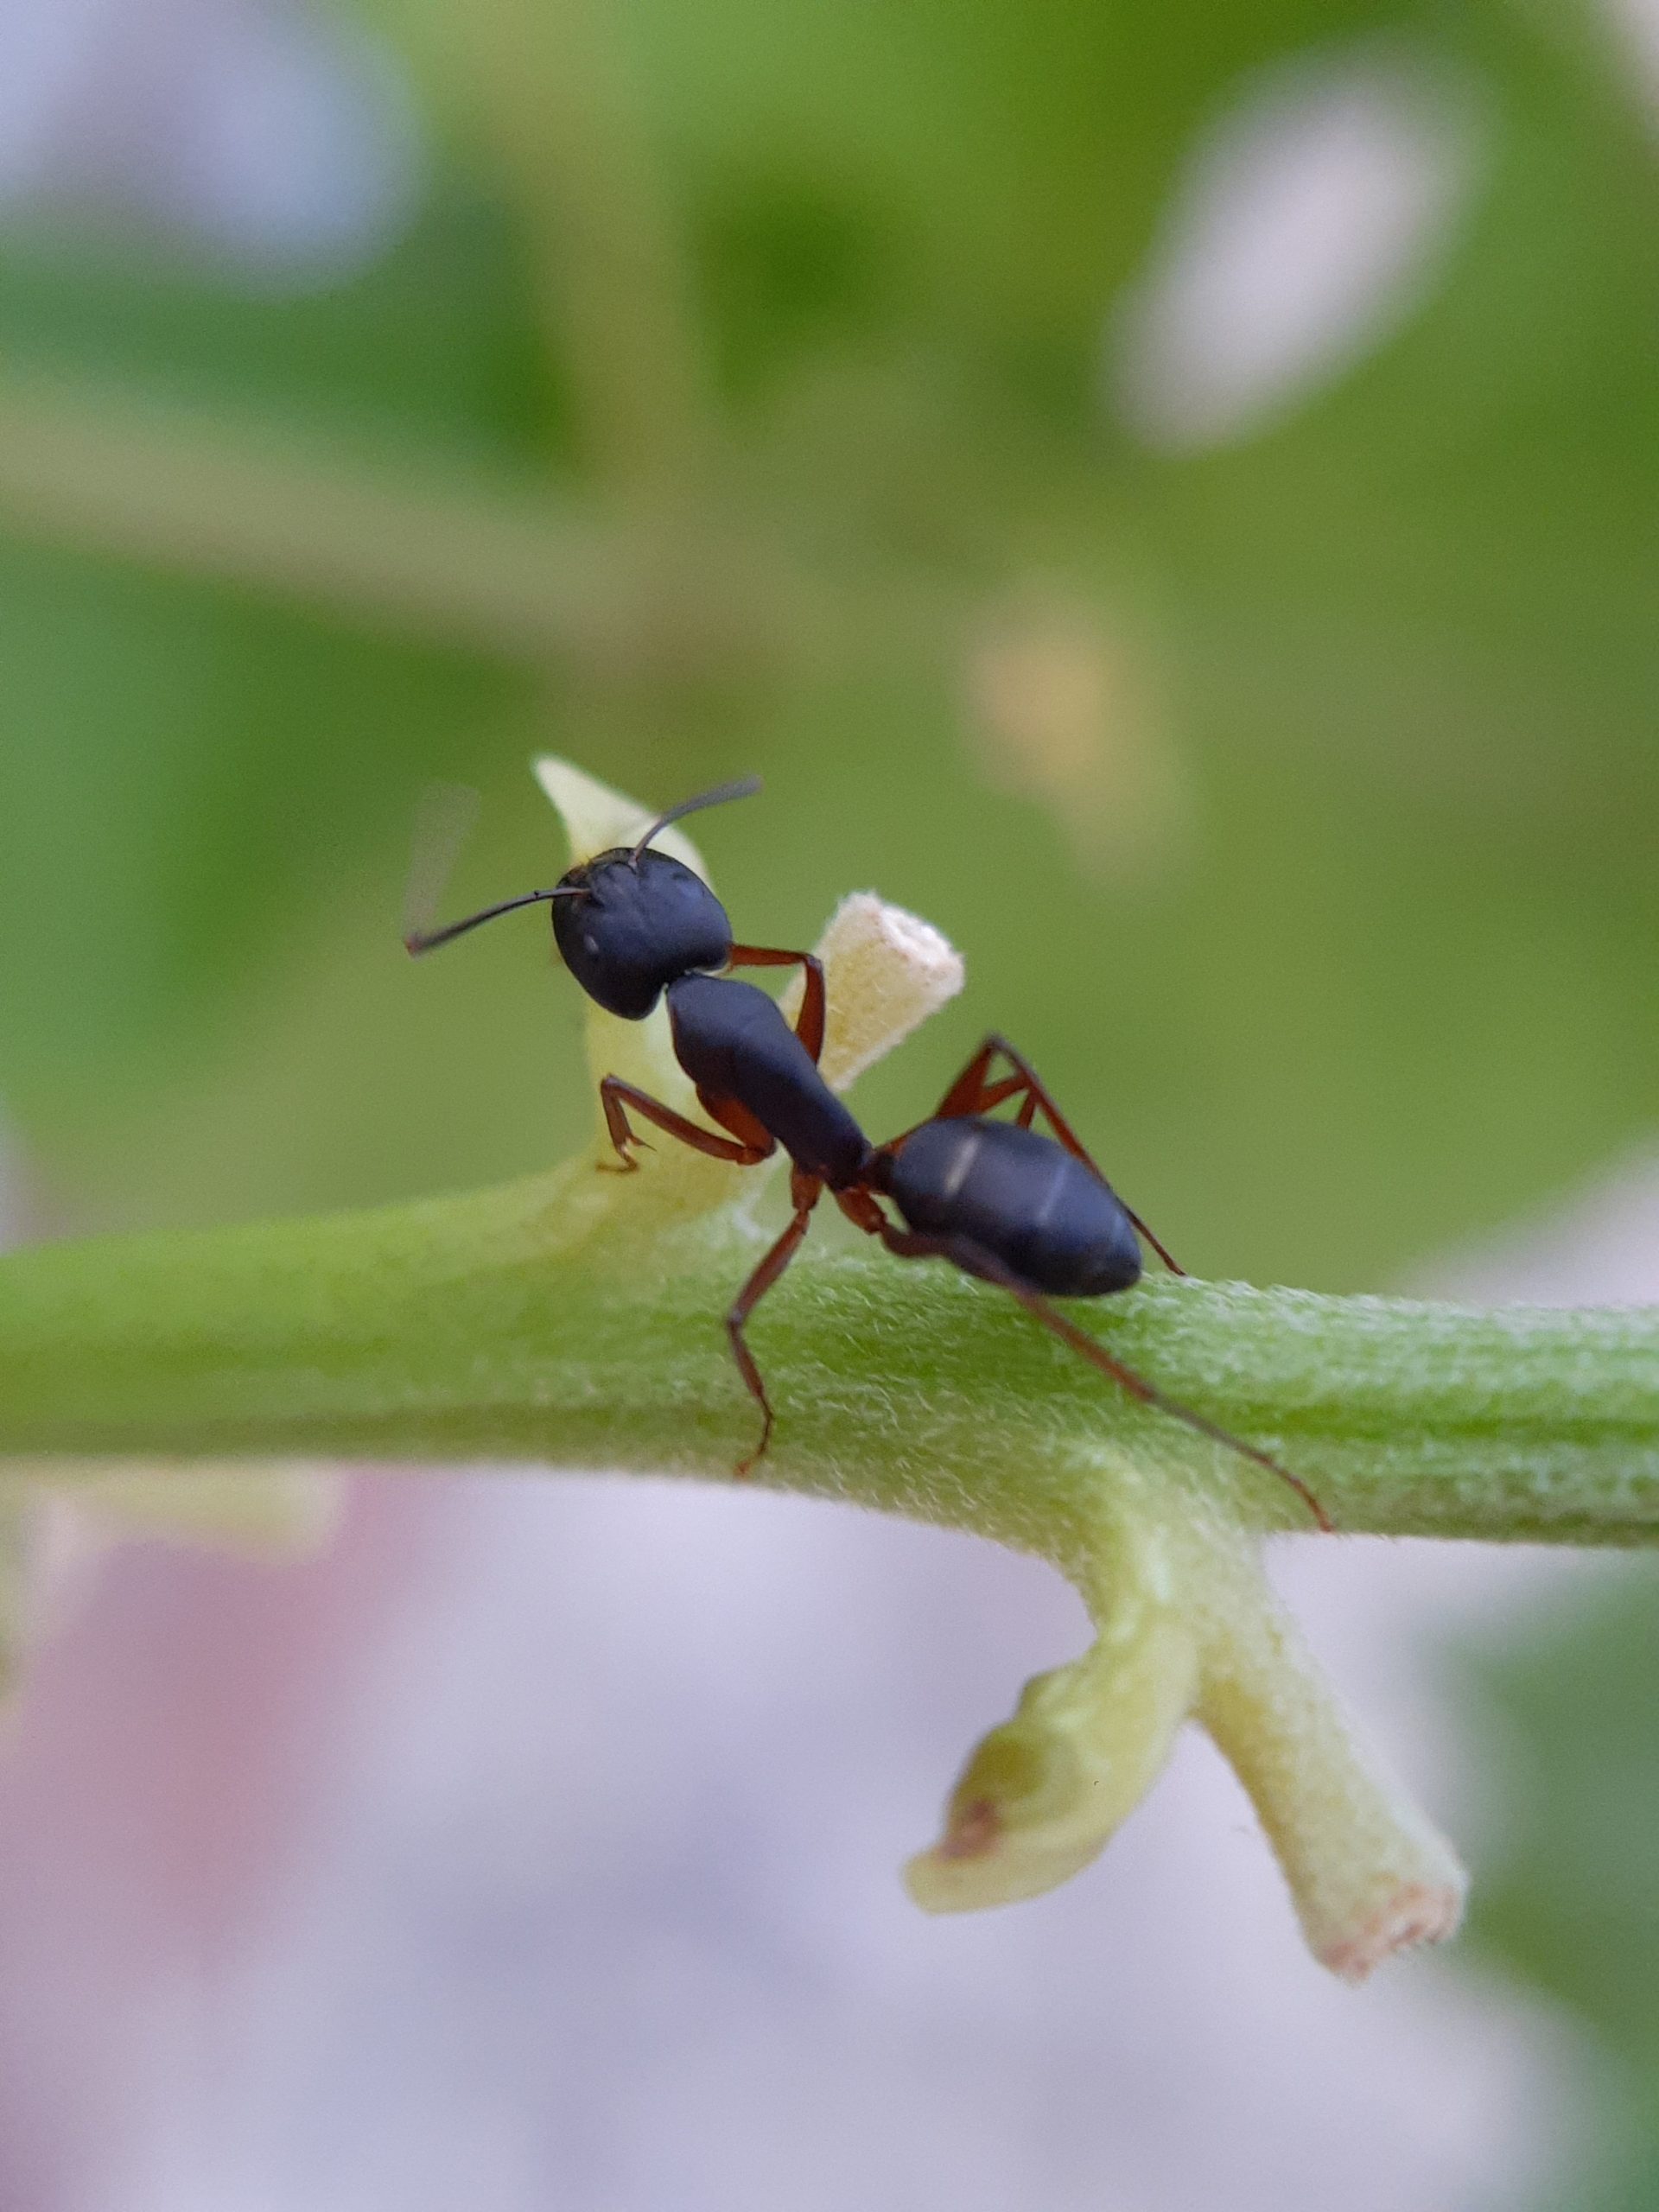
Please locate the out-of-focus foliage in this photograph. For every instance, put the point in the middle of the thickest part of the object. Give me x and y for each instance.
(1292, 802)
(1385, 977)
(1569, 1902)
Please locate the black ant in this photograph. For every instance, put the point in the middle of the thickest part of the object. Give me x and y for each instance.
(1030, 1213)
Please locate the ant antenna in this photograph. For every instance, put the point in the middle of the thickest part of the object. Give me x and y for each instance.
(745, 787)
(428, 940)
(447, 815)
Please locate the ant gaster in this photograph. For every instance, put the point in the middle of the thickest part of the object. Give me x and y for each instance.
(1030, 1213)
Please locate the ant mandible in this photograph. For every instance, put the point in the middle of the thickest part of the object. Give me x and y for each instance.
(1030, 1213)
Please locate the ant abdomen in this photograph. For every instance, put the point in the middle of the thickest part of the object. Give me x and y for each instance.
(1019, 1197)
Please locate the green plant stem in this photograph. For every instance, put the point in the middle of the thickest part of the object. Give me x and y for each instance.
(558, 1320)
(567, 116)
(486, 561)
(450, 555)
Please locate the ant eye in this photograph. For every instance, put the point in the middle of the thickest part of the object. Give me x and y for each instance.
(590, 941)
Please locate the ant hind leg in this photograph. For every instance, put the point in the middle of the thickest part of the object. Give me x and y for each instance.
(974, 1260)
(971, 1093)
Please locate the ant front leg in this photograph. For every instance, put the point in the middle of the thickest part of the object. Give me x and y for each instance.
(805, 1191)
(809, 1023)
(616, 1097)
(971, 1093)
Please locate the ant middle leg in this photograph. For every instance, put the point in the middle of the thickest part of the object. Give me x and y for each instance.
(805, 1191)
(974, 1260)
(972, 1093)
(616, 1097)
(809, 1023)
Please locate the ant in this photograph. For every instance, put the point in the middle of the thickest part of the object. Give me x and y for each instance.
(997, 1198)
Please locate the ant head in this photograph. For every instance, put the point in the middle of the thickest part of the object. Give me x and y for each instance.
(639, 918)
(627, 922)
(630, 922)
